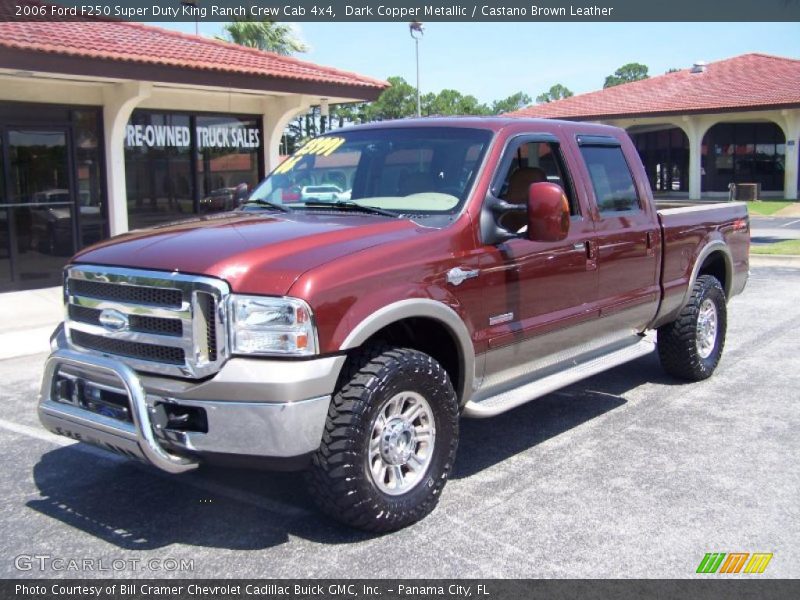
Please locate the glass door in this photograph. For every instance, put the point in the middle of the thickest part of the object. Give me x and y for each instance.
(5, 223)
(38, 205)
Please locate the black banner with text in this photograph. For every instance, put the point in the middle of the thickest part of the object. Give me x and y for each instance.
(405, 10)
(431, 589)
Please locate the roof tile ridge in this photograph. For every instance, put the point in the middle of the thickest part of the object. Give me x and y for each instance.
(256, 52)
(762, 55)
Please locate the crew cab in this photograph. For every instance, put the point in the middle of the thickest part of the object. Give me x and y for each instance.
(477, 264)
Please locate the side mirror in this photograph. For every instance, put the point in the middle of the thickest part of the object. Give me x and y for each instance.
(548, 213)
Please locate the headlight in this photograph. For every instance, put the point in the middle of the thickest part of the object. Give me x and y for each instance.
(267, 325)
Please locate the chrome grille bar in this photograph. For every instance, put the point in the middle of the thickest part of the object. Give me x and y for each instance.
(140, 323)
(184, 312)
(142, 333)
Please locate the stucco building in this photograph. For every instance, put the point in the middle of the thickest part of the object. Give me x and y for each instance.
(702, 128)
(107, 126)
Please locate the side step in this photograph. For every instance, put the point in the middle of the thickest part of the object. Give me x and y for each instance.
(495, 405)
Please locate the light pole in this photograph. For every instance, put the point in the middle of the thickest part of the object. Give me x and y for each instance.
(192, 5)
(416, 30)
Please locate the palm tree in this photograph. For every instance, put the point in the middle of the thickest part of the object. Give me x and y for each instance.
(264, 35)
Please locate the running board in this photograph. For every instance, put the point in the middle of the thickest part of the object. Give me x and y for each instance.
(495, 405)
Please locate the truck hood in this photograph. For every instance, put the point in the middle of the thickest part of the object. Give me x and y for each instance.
(255, 252)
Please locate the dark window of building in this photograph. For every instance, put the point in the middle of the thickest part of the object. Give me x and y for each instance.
(743, 153)
(178, 165)
(93, 213)
(5, 226)
(665, 156)
(228, 158)
(613, 184)
(42, 207)
(51, 190)
(42, 212)
(158, 167)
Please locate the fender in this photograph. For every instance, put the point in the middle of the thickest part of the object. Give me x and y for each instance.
(708, 249)
(421, 307)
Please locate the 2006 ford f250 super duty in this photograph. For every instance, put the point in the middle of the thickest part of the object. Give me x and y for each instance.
(467, 266)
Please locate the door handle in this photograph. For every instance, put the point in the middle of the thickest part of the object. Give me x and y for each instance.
(589, 247)
(650, 240)
(457, 275)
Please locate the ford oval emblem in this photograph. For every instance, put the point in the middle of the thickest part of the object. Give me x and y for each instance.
(113, 320)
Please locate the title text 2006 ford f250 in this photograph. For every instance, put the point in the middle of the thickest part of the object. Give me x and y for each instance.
(468, 266)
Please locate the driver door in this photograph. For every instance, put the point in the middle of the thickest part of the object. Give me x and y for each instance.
(541, 297)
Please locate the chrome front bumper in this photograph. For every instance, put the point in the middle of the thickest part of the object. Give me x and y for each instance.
(260, 408)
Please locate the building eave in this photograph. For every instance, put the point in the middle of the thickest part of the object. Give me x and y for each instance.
(47, 62)
(663, 114)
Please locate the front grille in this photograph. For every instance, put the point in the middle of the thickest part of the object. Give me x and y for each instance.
(159, 354)
(156, 322)
(126, 293)
(138, 323)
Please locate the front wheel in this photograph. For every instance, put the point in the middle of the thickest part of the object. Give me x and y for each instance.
(389, 442)
(690, 347)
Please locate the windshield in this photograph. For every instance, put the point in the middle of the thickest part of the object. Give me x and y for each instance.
(413, 170)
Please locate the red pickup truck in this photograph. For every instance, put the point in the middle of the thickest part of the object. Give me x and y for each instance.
(468, 266)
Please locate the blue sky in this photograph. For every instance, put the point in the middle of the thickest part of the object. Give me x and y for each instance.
(494, 60)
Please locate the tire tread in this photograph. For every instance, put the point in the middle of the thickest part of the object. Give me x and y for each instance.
(677, 349)
(333, 478)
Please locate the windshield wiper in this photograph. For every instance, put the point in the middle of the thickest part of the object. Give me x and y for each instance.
(350, 205)
(268, 204)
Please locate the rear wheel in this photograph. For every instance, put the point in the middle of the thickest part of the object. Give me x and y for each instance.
(690, 347)
(389, 442)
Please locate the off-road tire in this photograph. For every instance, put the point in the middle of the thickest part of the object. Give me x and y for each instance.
(677, 341)
(339, 479)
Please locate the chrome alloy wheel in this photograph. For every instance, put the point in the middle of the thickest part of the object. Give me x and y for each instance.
(401, 443)
(706, 328)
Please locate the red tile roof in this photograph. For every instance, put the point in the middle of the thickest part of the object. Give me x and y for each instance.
(139, 43)
(746, 82)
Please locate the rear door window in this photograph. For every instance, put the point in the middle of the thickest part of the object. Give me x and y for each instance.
(613, 184)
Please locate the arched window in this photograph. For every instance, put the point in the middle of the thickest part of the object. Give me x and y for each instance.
(743, 153)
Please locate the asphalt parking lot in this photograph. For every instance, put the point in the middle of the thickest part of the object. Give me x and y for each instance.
(628, 474)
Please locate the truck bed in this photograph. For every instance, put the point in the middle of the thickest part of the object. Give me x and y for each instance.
(712, 236)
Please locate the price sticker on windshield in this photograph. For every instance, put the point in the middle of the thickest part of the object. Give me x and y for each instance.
(321, 146)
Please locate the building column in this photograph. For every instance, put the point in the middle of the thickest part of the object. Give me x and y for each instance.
(119, 100)
(695, 166)
(695, 129)
(278, 112)
(791, 129)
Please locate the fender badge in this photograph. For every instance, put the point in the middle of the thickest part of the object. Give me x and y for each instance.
(504, 318)
(457, 275)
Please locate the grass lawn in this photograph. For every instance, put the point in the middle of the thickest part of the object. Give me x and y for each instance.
(766, 208)
(784, 247)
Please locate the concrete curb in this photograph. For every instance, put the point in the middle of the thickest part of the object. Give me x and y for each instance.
(774, 260)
